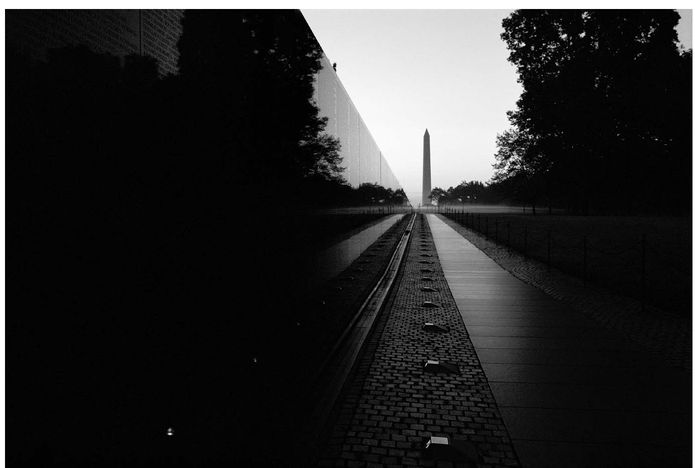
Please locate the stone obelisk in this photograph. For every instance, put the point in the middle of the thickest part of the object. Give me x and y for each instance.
(426, 173)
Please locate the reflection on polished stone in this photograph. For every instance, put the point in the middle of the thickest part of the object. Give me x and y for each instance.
(333, 260)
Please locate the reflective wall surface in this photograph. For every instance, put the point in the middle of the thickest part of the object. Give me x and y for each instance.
(362, 158)
(164, 290)
(155, 33)
(331, 261)
(120, 32)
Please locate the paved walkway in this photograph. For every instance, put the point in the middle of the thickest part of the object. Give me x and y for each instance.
(392, 406)
(665, 335)
(570, 392)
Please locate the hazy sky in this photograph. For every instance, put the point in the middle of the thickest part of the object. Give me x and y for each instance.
(444, 70)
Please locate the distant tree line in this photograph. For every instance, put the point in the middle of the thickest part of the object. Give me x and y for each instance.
(604, 121)
(322, 192)
(470, 192)
(369, 194)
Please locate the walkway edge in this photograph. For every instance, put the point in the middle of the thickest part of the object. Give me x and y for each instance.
(336, 368)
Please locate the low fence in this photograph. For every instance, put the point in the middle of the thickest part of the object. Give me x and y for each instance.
(634, 265)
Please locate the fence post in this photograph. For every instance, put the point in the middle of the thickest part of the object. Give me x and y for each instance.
(509, 243)
(487, 225)
(548, 248)
(496, 230)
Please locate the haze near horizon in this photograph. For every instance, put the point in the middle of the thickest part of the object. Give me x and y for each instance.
(444, 70)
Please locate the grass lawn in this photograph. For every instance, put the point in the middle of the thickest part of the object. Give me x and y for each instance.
(616, 250)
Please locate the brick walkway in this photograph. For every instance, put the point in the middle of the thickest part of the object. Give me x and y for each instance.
(392, 406)
(664, 335)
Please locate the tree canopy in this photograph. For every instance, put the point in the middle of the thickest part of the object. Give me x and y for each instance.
(469, 192)
(603, 122)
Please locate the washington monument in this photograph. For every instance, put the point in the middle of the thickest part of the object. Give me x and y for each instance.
(426, 173)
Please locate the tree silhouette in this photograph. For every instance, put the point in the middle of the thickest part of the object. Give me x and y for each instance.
(250, 75)
(605, 98)
(436, 194)
(471, 192)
